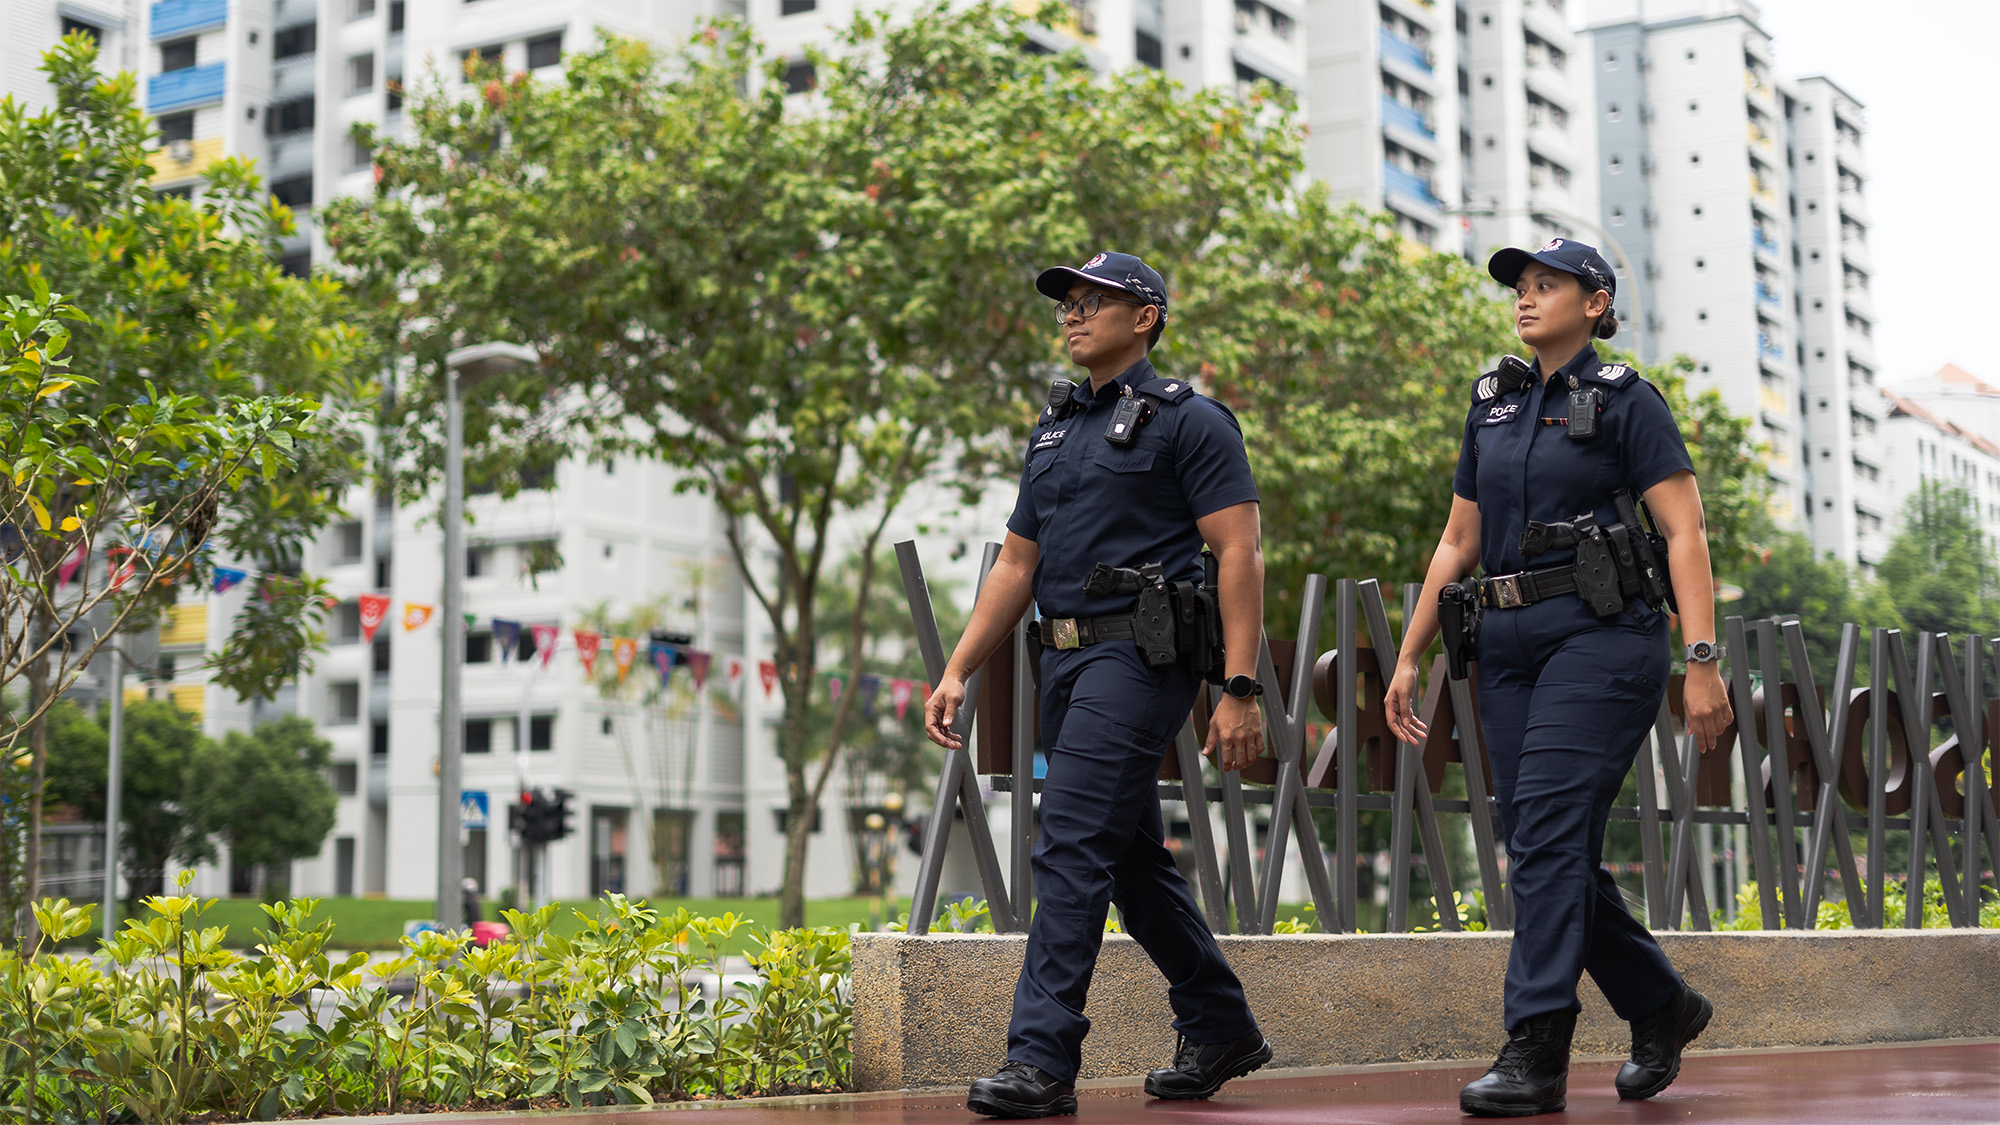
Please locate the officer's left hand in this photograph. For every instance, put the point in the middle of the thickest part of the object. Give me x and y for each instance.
(1235, 733)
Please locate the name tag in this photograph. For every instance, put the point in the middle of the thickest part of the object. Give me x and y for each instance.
(1500, 412)
(1049, 440)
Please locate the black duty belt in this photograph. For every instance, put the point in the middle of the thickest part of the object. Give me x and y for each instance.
(1510, 591)
(1076, 632)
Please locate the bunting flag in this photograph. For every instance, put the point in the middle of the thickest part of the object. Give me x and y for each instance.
(663, 659)
(373, 607)
(547, 637)
(732, 674)
(586, 649)
(868, 685)
(506, 635)
(71, 565)
(416, 616)
(697, 662)
(833, 686)
(623, 651)
(899, 694)
(471, 619)
(767, 671)
(228, 578)
(116, 573)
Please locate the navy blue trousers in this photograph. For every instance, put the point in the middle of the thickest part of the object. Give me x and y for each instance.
(1565, 701)
(1106, 720)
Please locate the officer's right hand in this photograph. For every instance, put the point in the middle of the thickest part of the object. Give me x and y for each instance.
(1402, 704)
(942, 709)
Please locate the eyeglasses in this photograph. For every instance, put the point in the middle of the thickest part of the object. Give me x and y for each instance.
(1087, 305)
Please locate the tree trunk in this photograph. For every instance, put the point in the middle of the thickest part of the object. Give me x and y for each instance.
(798, 798)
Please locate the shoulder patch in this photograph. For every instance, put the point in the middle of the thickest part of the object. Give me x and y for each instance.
(1614, 372)
(1166, 390)
(1487, 387)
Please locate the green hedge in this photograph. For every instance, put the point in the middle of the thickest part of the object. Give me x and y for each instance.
(167, 1023)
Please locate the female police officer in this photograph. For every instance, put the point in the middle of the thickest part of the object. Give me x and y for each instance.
(1132, 468)
(1566, 695)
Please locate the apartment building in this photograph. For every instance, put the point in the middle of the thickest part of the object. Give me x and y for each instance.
(1927, 440)
(1739, 196)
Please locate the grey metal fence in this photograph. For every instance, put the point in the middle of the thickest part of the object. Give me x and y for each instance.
(1793, 777)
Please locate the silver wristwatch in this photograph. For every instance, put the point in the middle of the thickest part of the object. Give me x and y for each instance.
(1704, 652)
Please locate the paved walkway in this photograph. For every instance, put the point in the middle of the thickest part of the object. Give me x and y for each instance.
(1939, 1081)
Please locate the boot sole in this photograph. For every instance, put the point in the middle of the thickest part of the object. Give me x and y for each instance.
(1249, 1064)
(1480, 1107)
(1693, 1028)
(987, 1106)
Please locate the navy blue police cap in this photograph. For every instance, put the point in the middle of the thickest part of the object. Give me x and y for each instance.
(1565, 254)
(1119, 271)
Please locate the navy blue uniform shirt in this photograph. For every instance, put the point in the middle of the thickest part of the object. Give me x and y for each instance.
(1518, 463)
(1084, 500)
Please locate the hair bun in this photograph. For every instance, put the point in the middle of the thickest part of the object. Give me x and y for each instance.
(1607, 325)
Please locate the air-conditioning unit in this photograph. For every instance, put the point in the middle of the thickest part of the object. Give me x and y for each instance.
(181, 151)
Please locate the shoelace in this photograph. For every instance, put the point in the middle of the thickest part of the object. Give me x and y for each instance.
(1513, 1060)
(1646, 1035)
(1020, 1068)
(1186, 1054)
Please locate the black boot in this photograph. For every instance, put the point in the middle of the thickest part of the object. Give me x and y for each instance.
(1020, 1090)
(1200, 1069)
(1530, 1076)
(1657, 1042)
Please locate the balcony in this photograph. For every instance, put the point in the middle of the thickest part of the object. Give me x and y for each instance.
(1770, 350)
(1854, 206)
(1403, 182)
(1854, 251)
(1764, 243)
(1396, 115)
(1768, 297)
(180, 89)
(1395, 48)
(175, 18)
(169, 166)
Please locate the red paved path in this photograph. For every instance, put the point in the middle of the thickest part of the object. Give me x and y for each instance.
(1940, 1081)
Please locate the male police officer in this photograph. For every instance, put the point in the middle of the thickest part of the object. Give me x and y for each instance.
(1134, 469)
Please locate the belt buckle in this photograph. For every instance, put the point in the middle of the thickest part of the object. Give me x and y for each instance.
(1506, 591)
(1064, 629)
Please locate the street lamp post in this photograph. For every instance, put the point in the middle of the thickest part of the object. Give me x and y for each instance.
(1546, 214)
(459, 364)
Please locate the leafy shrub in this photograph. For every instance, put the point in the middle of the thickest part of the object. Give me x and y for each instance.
(1835, 915)
(635, 1008)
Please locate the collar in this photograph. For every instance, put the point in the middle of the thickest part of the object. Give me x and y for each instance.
(1581, 364)
(1129, 379)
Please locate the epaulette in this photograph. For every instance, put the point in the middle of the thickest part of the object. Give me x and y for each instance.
(1612, 375)
(1487, 388)
(1165, 390)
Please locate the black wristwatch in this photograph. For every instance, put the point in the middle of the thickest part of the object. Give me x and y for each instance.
(1243, 687)
(1704, 652)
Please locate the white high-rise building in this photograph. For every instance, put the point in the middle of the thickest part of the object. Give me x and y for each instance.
(1739, 197)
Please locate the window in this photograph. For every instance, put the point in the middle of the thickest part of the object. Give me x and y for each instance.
(289, 116)
(395, 16)
(800, 77)
(1148, 50)
(347, 542)
(541, 732)
(796, 7)
(298, 263)
(346, 778)
(291, 42)
(361, 9)
(176, 127)
(488, 55)
(379, 656)
(478, 562)
(479, 736)
(346, 703)
(604, 725)
(545, 50)
(378, 740)
(90, 31)
(295, 192)
(360, 73)
(347, 623)
(479, 648)
(177, 54)
(359, 155)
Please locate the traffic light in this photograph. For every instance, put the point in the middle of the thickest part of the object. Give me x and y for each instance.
(559, 814)
(542, 816)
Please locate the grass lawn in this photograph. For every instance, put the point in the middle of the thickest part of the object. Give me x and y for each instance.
(374, 923)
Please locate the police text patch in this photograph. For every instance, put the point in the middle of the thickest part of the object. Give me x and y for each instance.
(1500, 412)
(1049, 440)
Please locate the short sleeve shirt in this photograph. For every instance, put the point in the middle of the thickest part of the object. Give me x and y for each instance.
(1518, 463)
(1085, 500)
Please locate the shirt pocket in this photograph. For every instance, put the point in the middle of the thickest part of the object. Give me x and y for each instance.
(1121, 460)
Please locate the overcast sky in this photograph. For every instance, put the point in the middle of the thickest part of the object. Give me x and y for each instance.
(1927, 72)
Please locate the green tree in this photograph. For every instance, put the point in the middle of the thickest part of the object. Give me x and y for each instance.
(1789, 580)
(812, 309)
(182, 400)
(161, 745)
(1939, 570)
(265, 795)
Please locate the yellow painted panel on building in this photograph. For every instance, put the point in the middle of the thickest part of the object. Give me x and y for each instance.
(192, 698)
(185, 625)
(1079, 23)
(136, 695)
(1770, 399)
(168, 166)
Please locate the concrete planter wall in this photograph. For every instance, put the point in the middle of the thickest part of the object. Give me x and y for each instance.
(933, 1011)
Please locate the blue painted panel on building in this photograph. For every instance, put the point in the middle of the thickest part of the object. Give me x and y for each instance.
(184, 17)
(179, 89)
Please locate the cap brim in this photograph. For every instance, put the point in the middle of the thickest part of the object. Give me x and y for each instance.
(1507, 265)
(1055, 281)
